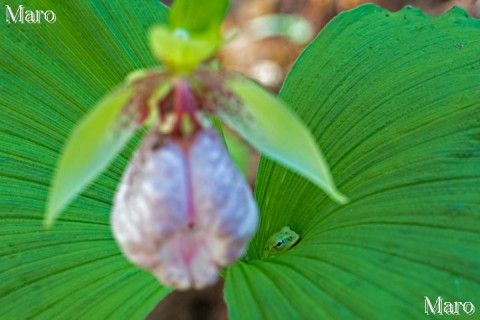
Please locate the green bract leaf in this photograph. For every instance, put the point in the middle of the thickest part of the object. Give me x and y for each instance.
(50, 75)
(268, 124)
(393, 100)
(198, 17)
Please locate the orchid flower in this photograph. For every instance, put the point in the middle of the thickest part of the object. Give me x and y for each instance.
(182, 209)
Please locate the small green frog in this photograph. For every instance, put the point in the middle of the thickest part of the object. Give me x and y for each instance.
(280, 242)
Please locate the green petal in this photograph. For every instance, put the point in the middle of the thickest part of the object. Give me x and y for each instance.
(102, 134)
(93, 144)
(270, 126)
(394, 100)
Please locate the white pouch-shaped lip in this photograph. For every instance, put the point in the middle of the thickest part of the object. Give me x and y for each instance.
(183, 210)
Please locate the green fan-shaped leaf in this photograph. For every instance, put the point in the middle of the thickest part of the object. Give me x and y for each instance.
(50, 75)
(394, 101)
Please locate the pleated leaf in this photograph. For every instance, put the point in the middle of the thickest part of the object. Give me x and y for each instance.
(394, 101)
(50, 76)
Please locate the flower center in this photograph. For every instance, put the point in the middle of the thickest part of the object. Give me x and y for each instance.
(185, 109)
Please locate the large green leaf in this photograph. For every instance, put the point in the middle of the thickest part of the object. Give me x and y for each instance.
(394, 101)
(50, 75)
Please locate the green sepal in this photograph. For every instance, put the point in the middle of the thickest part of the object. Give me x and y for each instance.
(269, 125)
(180, 50)
(192, 36)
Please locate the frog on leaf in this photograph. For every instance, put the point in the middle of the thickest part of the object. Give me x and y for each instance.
(280, 242)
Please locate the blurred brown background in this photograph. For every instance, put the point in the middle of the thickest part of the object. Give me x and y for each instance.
(268, 59)
(268, 37)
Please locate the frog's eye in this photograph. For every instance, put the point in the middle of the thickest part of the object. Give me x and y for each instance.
(279, 244)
